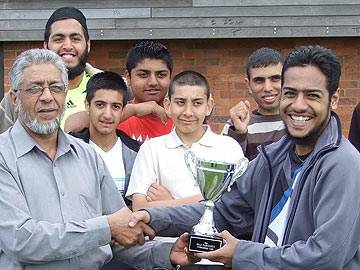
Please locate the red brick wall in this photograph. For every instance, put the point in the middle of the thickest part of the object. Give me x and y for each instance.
(222, 61)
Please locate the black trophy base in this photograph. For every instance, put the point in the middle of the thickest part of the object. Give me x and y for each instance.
(200, 243)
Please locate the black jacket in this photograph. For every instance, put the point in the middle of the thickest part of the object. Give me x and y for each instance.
(130, 148)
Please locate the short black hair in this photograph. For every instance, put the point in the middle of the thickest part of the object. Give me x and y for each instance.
(263, 57)
(65, 13)
(106, 80)
(321, 57)
(148, 49)
(189, 77)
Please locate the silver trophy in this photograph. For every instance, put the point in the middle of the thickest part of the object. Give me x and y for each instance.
(213, 178)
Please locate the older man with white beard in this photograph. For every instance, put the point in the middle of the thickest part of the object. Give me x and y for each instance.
(59, 206)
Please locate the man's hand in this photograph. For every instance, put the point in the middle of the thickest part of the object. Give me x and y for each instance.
(145, 108)
(224, 254)
(240, 115)
(123, 234)
(138, 217)
(157, 192)
(179, 253)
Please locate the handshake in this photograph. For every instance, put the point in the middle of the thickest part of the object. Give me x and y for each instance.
(128, 228)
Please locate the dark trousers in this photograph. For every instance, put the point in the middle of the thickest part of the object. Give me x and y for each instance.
(203, 267)
(116, 265)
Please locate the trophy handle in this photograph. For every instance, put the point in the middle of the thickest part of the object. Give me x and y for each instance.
(239, 170)
(190, 161)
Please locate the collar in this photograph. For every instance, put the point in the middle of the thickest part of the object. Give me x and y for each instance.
(172, 140)
(24, 143)
(83, 134)
(83, 83)
(331, 135)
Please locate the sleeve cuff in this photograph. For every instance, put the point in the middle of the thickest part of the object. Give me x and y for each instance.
(99, 231)
(235, 135)
(161, 255)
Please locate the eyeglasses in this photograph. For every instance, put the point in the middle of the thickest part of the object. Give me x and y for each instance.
(38, 90)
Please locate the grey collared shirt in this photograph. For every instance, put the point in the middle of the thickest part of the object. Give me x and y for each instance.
(52, 211)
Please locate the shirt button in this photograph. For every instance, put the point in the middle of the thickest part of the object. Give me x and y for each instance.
(62, 193)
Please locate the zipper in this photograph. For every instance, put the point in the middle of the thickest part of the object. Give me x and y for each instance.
(301, 184)
(261, 237)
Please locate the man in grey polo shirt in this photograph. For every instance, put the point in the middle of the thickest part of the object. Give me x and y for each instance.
(59, 207)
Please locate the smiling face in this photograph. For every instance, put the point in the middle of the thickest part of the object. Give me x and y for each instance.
(149, 80)
(265, 85)
(305, 106)
(40, 114)
(68, 41)
(105, 111)
(188, 108)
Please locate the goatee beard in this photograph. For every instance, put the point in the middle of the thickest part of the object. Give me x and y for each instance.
(312, 136)
(79, 68)
(34, 125)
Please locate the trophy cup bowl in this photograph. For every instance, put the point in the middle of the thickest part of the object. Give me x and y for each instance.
(213, 178)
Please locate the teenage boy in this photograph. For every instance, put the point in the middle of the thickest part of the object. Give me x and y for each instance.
(263, 125)
(106, 94)
(148, 71)
(160, 176)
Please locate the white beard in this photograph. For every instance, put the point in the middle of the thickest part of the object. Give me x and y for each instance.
(34, 125)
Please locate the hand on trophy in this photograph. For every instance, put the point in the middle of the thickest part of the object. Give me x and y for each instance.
(179, 253)
(125, 235)
(223, 255)
(158, 192)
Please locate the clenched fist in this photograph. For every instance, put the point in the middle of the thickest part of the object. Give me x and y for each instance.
(240, 115)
